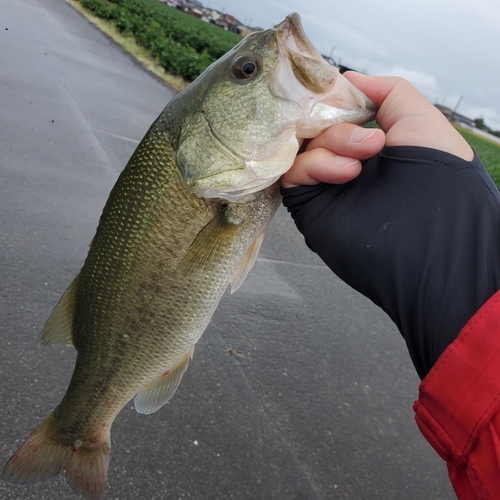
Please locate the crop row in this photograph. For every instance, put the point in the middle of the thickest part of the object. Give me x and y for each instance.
(183, 44)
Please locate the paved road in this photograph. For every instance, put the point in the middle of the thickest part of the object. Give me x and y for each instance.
(317, 403)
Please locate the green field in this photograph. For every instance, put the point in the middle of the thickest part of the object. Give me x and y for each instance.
(489, 152)
(182, 44)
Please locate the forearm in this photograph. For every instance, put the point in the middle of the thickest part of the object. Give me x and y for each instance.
(430, 250)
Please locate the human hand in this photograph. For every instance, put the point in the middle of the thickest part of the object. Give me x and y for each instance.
(416, 230)
(406, 117)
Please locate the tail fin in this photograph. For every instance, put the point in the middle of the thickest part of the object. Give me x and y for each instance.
(42, 457)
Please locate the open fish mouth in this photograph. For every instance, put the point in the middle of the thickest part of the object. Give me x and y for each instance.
(293, 39)
(324, 83)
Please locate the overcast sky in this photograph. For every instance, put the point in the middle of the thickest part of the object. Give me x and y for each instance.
(446, 48)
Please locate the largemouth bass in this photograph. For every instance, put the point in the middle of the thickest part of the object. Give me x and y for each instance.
(185, 218)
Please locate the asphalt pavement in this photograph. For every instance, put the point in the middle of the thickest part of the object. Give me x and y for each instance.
(299, 389)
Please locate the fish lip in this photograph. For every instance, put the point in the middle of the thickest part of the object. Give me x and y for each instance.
(291, 35)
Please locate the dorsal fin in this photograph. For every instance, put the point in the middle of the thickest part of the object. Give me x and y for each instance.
(59, 327)
(154, 395)
(246, 262)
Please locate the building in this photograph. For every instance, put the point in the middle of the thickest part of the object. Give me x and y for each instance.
(455, 117)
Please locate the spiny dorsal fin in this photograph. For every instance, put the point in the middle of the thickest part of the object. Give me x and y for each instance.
(152, 397)
(210, 242)
(59, 327)
(246, 262)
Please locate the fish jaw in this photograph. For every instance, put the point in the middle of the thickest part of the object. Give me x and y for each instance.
(301, 74)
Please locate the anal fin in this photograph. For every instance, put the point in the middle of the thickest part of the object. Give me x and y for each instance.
(154, 395)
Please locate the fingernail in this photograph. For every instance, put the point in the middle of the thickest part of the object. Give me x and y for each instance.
(360, 134)
(344, 161)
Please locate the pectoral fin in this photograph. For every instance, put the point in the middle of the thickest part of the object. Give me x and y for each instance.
(152, 397)
(246, 263)
(209, 245)
(59, 327)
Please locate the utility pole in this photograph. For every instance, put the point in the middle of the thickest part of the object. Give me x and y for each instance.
(456, 107)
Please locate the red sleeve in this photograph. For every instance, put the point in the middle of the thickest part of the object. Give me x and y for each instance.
(458, 409)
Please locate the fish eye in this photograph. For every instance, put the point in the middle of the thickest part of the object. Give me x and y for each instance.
(245, 67)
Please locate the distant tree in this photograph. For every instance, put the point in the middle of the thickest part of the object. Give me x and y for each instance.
(479, 122)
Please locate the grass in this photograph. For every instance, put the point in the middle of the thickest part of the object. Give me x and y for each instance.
(128, 43)
(489, 152)
(182, 44)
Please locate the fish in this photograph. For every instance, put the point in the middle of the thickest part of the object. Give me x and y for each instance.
(185, 219)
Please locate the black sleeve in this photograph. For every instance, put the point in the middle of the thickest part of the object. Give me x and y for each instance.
(418, 233)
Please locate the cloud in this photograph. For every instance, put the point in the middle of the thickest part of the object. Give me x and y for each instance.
(425, 82)
(325, 32)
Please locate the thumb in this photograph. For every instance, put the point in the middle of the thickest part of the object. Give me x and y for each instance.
(407, 117)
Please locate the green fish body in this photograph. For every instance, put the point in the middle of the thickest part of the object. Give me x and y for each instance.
(185, 218)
